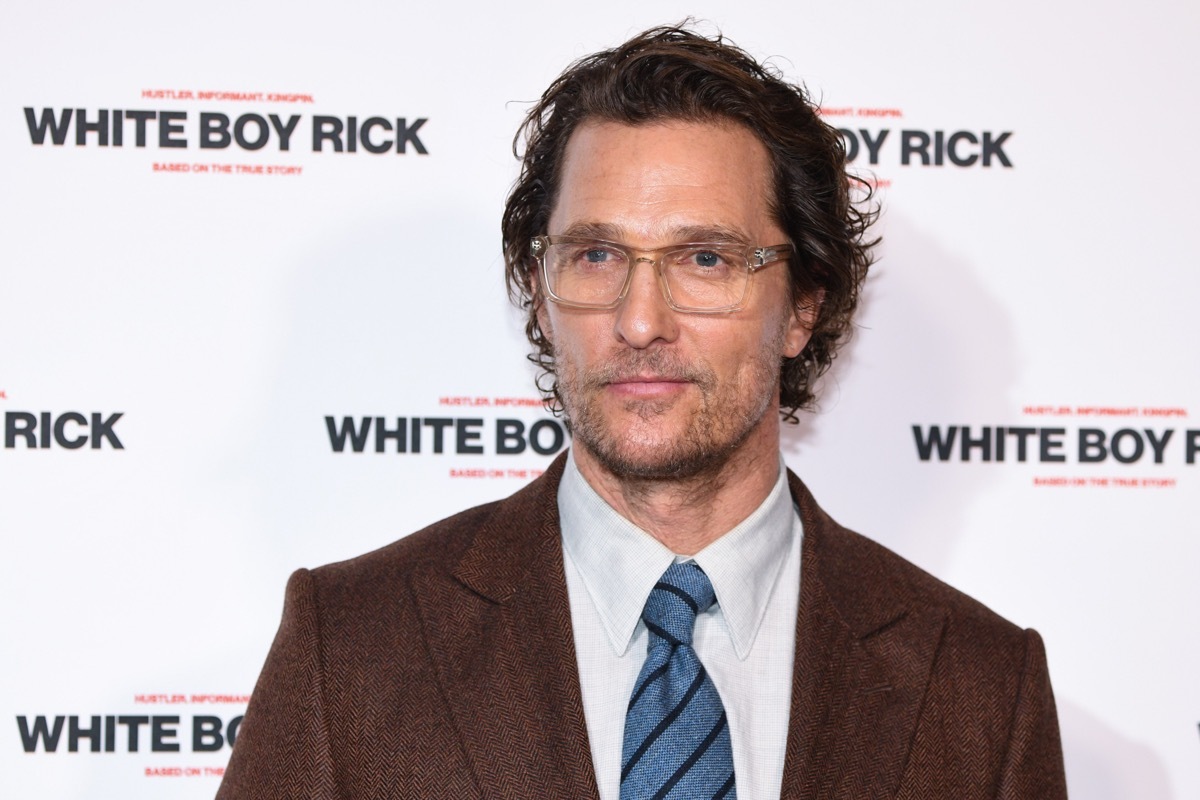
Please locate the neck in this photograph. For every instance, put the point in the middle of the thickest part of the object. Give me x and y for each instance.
(689, 513)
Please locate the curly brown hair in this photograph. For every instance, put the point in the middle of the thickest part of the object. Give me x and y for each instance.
(673, 73)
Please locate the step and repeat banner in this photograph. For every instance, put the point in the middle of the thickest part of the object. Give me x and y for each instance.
(252, 318)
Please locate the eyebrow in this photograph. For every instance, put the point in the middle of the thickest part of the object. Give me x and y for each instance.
(714, 234)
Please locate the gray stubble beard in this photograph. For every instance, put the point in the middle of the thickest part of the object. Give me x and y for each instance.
(710, 439)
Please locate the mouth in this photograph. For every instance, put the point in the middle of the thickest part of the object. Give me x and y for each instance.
(644, 386)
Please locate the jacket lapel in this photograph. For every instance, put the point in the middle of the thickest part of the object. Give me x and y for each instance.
(863, 660)
(498, 629)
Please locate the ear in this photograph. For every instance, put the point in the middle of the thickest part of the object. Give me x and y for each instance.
(800, 326)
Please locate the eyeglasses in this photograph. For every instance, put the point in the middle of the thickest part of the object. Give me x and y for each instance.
(695, 278)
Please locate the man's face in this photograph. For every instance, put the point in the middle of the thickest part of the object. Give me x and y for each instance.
(651, 392)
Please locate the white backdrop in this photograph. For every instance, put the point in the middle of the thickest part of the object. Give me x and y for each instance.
(226, 301)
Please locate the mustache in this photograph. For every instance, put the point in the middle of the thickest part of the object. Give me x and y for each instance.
(663, 364)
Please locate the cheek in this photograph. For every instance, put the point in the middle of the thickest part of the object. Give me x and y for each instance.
(733, 351)
(576, 340)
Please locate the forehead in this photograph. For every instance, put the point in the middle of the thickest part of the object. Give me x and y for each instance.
(654, 183)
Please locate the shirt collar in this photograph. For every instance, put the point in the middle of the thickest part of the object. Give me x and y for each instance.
(619, 563)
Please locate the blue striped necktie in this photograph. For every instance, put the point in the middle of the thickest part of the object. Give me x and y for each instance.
(676, 734)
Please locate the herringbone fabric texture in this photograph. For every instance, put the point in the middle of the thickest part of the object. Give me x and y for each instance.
(443, 666)
(676, 734)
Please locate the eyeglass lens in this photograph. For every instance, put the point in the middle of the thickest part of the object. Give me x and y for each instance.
(697, 276)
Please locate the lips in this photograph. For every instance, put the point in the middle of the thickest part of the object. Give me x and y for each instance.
(648, 386)
(649, 379)
(645, 374)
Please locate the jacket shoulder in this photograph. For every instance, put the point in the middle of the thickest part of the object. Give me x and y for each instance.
(871, 585)
(485, 548)
(912, 584)
(439, 544)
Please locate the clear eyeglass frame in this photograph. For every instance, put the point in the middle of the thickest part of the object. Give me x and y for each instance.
(756, 258)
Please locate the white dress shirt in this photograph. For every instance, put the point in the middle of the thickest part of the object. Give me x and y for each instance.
(746, 641)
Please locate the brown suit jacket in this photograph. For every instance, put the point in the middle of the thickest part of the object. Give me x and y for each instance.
(443, 666)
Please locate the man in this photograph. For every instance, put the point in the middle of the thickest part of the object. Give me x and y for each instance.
(666, 612)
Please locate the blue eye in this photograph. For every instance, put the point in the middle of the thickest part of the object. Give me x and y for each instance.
(596, 255)
(707, 258)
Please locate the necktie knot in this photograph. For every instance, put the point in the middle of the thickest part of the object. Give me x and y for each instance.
(680, 594)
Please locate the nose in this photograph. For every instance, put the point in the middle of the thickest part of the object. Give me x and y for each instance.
(644, 317)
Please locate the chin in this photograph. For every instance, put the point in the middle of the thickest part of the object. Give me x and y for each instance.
(641, 465)
(642, 451)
